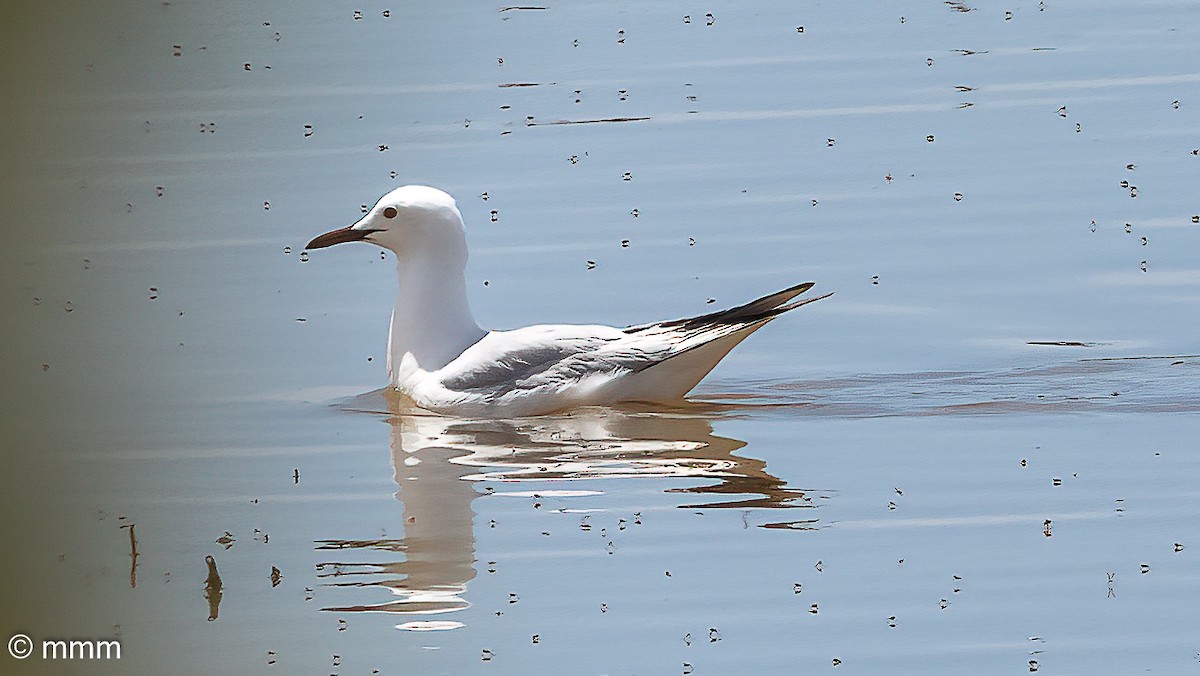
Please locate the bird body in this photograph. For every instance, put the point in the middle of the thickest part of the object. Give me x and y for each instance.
(442, 360)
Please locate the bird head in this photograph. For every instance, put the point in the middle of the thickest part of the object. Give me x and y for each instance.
(412, 220)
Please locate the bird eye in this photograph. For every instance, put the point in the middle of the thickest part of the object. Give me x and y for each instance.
(390, 212)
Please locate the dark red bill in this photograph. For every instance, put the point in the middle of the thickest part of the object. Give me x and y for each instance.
(339, 236)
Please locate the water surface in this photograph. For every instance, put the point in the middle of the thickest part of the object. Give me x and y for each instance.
(975, 457)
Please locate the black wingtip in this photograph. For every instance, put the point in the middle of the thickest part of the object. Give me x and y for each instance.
(764, 308)
(792, 306)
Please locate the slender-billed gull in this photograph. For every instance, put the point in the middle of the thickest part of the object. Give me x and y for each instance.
(440, 358)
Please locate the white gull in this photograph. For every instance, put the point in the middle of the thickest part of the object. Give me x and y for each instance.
(440, 358)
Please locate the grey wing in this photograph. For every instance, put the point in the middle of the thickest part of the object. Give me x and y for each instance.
(526, 359)
(508, 369)
(555, 357)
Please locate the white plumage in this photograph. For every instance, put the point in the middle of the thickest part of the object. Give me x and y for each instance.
(440, 358)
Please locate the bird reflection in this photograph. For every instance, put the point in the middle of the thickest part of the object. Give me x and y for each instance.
(436, 461)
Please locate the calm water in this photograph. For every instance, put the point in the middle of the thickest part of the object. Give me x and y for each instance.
(978, 456)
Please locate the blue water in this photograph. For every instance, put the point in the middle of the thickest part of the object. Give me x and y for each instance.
(984, 439)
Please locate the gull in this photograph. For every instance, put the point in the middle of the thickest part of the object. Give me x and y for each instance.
(440, 359)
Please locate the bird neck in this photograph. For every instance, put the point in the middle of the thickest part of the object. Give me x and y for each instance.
(431, 322)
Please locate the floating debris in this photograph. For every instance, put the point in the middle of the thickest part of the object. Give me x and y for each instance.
(531, 123)
(212, 588)
(803, 524)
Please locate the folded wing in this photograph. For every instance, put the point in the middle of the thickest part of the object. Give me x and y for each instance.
(660, 361)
